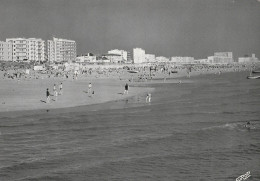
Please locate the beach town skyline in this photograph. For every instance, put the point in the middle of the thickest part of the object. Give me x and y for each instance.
(167, 28)
(100, 118)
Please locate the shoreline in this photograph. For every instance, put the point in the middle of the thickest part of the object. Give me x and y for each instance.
(29, 95)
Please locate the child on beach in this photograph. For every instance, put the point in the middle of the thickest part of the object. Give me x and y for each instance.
(148, 97)
(47, 96)
(89, 89)
(60, 89)
(55, 93)
(126, 89)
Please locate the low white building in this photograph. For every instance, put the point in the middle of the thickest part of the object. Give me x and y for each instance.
(150, 58)
(251, 59)
(221, 58)
(182, 60)
(162, 59)
(89, 58)
(113, 58)
(122, 53)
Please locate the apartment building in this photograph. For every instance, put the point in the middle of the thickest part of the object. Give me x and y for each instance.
(5, 51)
(32, 49)
(138, 55)
(61, 50)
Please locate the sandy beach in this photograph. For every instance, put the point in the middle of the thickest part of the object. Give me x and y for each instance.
(29, 93)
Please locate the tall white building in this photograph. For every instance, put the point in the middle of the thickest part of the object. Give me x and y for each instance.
(61, 50)
(138, 55)
(5, 51)
(32, 49)
(122, 53)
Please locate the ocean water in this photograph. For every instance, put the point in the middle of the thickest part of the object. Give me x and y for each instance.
(190, 131)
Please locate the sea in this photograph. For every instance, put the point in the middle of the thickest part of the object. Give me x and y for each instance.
(190, 131)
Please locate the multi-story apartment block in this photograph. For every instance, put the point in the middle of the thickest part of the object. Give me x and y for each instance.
(150, 58)
(31, 49)
(61, 50)
(5, 51)
(129, 57)
(138, 55)
(122, 53)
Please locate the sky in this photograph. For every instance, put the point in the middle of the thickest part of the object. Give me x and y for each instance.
(196, 28)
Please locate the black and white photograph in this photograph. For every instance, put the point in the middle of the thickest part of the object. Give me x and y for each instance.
(129, 90)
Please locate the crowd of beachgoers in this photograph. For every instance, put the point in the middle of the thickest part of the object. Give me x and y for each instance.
(23, 87)
(131, 72)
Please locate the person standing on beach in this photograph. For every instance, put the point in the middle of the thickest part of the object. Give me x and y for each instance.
(126, 89)
(60, 87)
(47, 96)
(55, 93)
(148, 97)
(89, 89)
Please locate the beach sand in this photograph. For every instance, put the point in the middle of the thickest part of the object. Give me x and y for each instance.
(30, 93)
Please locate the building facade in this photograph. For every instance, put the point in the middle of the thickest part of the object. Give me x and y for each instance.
(5, 51)
(221, 58)
(138, 55)
(122, 53)
(89, 58)
(32, 49)
(183, 60)
(162, 59)
(150, 58)
(61, 50)
(251, 59)
(129, 57)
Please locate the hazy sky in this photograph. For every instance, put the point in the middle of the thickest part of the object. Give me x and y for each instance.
(164, 27)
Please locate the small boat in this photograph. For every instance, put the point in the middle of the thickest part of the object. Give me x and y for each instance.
(253, 77)
(174, 71)
(132, 71)
(256, 71)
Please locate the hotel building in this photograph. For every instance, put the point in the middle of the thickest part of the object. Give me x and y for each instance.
(5, 51)
(61, 50)
(138, 55)
(32, 49)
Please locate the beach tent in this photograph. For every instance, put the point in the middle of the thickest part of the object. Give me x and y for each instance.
(38, 67)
